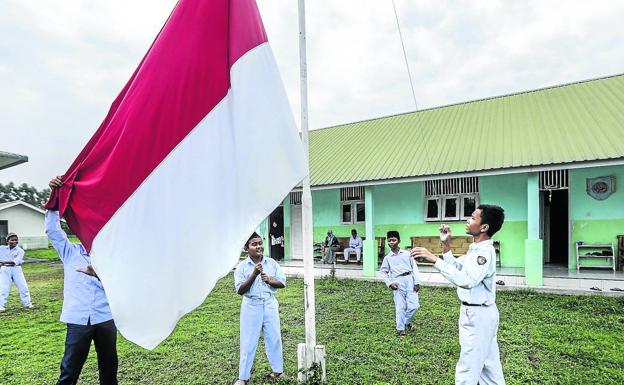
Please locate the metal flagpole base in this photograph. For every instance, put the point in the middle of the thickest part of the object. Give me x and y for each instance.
(317, 370)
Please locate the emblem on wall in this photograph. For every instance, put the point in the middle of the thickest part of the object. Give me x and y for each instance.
(601, 188)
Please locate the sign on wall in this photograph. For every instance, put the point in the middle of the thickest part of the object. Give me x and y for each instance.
(601, 188)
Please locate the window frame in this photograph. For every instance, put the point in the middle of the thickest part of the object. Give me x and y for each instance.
(432, 198)
(441, 199)
(476, 199)
(353, 204)
(458, 201)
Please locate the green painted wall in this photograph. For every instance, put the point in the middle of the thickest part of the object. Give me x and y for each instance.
(400, 207)
(509, 192)
(595, 221)
(326, 215)
(399, 203)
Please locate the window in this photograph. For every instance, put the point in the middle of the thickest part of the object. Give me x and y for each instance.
(432, 212)
(451, 199)
(352, 208)
(295, 198)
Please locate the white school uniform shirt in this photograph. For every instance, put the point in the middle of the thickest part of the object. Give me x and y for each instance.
(84, 299)
(259, 289)
(394, 265)
(474, 274)
(15, 255)
(355, 243)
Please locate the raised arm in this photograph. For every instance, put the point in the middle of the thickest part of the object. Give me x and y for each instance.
(56, 235)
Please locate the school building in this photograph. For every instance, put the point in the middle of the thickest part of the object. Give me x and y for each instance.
(553, 158)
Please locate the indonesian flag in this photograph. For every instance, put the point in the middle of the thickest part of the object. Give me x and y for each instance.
(197, 149)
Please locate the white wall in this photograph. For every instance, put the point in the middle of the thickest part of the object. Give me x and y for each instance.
(27, 224)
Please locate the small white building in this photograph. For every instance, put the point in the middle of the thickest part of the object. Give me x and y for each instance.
(25, 220)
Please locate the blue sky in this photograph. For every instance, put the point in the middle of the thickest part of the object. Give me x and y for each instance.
(63, 62)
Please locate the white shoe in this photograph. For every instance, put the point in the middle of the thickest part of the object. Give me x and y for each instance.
(31, 306)
(2, 310)
(241, 382)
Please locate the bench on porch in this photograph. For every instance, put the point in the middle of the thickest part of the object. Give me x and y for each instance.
(459, 245)
(344, 243)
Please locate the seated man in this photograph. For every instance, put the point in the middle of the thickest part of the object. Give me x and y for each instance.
(355, 244)
(331, 245)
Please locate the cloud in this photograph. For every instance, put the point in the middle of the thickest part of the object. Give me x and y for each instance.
(64, 62)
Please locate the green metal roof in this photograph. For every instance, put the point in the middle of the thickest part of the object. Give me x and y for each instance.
(570, 123)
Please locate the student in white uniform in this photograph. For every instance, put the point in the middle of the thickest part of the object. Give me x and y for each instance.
(401, 275)
(355, 244)
(11, 260)
(257, 278)
(474, 274)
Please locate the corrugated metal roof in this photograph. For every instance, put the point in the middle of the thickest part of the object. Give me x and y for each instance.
(570, 123)
(8, 159)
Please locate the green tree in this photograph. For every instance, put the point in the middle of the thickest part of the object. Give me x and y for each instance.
(10, 192)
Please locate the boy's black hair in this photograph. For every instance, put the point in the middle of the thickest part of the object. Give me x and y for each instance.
(393, 234)
(252, 236)
(492, 215)
(354, 230)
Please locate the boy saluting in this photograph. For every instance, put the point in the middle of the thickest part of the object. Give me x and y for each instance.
(474, 274)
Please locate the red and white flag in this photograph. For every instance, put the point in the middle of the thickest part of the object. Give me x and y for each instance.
(197, 149)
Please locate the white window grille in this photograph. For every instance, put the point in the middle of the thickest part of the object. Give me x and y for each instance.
(451, 199)
(553, 180)
(295, 197)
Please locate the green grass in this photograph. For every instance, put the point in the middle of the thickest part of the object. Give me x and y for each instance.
(49, 253)
(544, 339)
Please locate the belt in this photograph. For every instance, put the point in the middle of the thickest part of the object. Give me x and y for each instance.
(404, 274)
(474, 304)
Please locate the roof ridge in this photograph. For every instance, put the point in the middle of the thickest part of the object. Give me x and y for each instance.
(474, 101)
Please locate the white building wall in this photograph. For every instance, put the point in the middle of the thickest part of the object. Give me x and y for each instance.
(28, 224)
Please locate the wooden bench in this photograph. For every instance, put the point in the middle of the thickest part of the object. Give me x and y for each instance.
(344, 243)
(459, 245)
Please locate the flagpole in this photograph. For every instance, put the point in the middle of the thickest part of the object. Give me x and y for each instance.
(308, 353)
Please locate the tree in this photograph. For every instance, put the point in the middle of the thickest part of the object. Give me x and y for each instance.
(10, 192)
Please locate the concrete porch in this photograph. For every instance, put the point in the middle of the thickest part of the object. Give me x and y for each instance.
(555, 279)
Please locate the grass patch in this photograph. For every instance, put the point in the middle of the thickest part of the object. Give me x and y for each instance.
(544, 339)
(49, 253)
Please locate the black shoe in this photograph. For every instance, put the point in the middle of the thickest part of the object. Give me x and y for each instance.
(408, 328)
(401, 333)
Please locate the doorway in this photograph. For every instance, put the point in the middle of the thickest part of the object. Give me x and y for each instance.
(554, 225)
(276, 234)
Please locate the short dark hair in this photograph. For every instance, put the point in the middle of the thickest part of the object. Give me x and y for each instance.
(252, 236)
(353, 230)
(393, 234)
(492, 215)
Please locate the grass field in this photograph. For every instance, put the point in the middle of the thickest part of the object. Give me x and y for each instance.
(544, 339)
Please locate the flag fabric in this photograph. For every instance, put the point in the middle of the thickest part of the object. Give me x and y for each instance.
(197, 149)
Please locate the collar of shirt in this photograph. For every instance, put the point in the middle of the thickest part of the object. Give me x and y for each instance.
(478, 245)
(251, 262)
(392, 253)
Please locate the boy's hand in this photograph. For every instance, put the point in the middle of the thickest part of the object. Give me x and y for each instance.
(88, 270)
(445, 234)
(416, 288)
(258, 268)
(56, 182)
(265, 277)
(393, 286)
(421, 252)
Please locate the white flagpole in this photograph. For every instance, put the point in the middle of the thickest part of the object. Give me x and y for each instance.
(308, 353)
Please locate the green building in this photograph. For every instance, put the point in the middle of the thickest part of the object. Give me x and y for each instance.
(552, 158)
